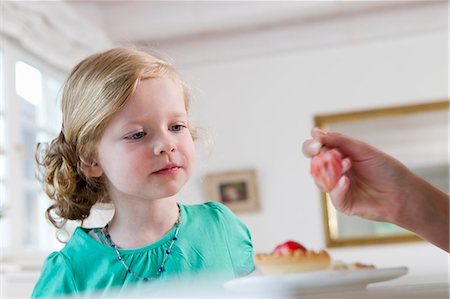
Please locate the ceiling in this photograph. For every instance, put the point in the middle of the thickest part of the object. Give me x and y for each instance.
(149, 21)
(199, 32)
(193, 32)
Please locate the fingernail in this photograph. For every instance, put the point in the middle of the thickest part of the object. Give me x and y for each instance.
(315, 145)
(345, 164)
(341, 182)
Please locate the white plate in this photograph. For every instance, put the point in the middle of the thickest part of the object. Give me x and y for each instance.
(311, 282)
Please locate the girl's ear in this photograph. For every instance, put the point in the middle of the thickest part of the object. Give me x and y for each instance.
(92, 169)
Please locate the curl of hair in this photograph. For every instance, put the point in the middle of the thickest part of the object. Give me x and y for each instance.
(72, 192)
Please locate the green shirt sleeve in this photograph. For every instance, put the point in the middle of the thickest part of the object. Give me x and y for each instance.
(239, 241)
(56, 278)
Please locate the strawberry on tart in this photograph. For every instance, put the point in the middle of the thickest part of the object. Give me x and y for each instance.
(292, 257)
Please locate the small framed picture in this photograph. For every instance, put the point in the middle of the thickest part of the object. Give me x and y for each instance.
(238, 190)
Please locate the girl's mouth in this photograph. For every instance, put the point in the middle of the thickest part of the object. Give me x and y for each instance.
(167, 170)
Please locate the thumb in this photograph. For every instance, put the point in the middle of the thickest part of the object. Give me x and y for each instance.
(345, 144)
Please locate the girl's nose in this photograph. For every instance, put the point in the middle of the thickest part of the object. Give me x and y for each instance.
(163, 147)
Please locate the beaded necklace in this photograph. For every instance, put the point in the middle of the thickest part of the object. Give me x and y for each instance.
(161, 269)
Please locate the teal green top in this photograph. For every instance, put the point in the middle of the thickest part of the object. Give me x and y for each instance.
(212, 242)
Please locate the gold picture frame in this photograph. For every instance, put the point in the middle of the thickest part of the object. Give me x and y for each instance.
(416, 134)
(238, 190)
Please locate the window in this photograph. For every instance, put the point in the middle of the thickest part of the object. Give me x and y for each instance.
(29, 113)
(3, 227)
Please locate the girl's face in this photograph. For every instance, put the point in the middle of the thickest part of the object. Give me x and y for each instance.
(146, 150)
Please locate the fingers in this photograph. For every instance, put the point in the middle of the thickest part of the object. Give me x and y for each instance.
(328, 164)
(314, 146)
(311, 147)
(334, 181)
(346, 165)
(345, 144)
(330, 139)
(317, 133)
(339, 193)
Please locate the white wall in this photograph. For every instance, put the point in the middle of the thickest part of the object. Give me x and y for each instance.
(256, 112)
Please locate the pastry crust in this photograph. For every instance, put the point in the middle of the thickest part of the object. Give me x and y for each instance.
(292, 262)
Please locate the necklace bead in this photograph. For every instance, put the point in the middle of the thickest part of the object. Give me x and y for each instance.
(161, 268)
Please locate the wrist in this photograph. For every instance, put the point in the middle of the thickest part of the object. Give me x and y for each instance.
(424, 209)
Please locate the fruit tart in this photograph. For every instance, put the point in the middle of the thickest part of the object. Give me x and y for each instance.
(292, 257)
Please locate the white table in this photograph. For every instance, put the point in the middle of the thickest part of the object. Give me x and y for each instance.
(401, 288)
(407, 287)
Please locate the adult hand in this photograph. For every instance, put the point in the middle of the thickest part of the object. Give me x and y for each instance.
(376, 186)
(370, 179)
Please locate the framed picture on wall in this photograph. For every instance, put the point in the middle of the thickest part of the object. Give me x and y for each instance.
(237, 189)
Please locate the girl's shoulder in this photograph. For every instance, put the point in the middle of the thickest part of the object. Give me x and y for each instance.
(57, 258)
(211, 214)
(207, 209)
(82, 243)
(206, 206)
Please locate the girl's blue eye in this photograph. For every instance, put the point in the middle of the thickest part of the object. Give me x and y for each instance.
(177, 128)
(136, 136)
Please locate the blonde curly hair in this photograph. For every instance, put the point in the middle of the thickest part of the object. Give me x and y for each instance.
(95, 90)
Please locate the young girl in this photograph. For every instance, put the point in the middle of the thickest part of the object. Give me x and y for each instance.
(126, 139)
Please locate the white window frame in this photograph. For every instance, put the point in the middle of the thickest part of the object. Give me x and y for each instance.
(16, 184)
